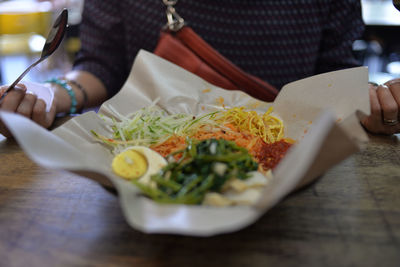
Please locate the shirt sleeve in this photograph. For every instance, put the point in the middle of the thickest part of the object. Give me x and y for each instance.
(102, 51)
(344, 25)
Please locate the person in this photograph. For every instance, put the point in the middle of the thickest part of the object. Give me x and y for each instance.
(278, 41)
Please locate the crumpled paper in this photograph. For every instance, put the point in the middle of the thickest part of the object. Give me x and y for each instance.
(318, 112)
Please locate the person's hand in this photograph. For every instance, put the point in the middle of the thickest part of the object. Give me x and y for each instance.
(21, 100)
(385, 108)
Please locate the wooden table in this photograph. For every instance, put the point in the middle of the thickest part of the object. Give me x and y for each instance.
(349, 217)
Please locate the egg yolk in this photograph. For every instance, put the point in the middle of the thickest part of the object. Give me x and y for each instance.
(129, 164)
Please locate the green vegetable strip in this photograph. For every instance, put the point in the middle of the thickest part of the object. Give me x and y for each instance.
(166, 183)
(189, 186)
(187, 180)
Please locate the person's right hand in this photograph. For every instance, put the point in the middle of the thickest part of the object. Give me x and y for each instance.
(21, 101)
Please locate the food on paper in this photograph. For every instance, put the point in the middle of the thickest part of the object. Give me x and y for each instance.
(165, 133)
(151, 125)
(203, 166)
(239, 192)
(181, 137)
(129, 164)
(266, 126)
(138, 163)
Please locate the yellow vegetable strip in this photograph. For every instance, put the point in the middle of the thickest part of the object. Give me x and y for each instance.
(266, 126)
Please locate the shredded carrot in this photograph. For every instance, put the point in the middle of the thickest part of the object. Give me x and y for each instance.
(170, 145)
(267, 155)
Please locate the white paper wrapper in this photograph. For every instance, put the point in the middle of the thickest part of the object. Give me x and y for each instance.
(318, 112)
(41, 91)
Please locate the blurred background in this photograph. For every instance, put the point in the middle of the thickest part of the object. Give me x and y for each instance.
(24, 24)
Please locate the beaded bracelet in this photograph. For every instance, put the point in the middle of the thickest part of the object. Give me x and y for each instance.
(81, 88)
(69, 90)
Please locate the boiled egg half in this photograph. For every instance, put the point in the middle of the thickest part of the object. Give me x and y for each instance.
(138, 162)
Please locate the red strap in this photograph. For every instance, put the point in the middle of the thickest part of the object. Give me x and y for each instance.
(250, 84)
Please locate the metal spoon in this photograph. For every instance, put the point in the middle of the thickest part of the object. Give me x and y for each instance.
(52, 42)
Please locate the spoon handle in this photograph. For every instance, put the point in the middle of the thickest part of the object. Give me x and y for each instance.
(22, 75)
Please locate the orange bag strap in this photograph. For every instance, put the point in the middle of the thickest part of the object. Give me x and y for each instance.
(247, 83)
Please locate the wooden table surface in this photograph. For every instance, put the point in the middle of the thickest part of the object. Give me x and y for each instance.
(349, 217)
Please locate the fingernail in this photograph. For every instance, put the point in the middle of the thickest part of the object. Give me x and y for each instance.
(383, 86)
(21, 86)
(30, 93)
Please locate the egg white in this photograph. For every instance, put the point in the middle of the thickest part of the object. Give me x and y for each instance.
(154, 163)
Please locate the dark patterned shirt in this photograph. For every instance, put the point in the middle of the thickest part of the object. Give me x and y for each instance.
(277, 40)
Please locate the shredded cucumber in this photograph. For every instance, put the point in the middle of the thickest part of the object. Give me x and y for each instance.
(151, 125)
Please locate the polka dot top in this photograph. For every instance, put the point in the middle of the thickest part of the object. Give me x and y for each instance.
(277, 40)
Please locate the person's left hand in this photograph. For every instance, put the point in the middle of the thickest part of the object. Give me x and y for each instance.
(26, 103)
(385, 108)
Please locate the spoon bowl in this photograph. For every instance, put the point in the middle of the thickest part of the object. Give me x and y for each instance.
(53, 41)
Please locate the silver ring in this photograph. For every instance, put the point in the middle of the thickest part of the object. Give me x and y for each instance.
(390, 122)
